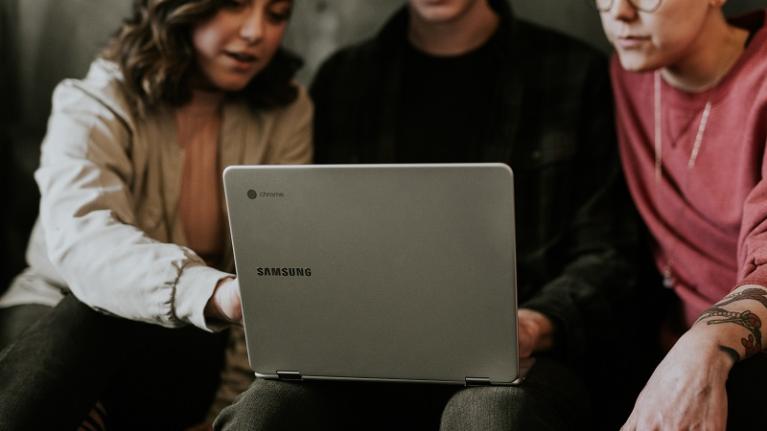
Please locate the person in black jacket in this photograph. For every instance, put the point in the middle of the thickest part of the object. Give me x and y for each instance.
(465, 81)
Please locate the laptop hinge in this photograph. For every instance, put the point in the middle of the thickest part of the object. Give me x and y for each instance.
(289, 375)
(477, 381)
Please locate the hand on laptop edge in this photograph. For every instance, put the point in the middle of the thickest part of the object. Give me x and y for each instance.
(536, 332)
(224, 304)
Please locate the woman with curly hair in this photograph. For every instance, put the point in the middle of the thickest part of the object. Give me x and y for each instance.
(132, 240)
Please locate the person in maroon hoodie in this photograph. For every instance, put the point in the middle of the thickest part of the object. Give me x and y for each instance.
(691, 103)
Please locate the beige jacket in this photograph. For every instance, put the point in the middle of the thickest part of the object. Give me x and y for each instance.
(109, 229)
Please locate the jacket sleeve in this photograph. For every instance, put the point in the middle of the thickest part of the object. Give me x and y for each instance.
(88, 214)
(752, 243)
(599, 246)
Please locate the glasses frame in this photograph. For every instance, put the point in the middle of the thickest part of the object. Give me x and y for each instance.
(633, 3)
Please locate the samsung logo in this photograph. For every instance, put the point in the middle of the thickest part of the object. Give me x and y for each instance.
(284, 272)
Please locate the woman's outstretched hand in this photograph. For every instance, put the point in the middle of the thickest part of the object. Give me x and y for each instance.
(225, 303)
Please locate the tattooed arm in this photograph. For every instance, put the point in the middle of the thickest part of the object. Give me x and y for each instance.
(687, 389)
(736, 309)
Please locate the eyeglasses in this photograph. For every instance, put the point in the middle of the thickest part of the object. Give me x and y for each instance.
(643, 5)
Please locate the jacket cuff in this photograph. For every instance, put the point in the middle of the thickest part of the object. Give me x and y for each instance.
(569, 335)
(194, 288)
(758, 277)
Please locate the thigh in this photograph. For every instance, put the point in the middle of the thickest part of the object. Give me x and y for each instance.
(52, 373)
(55, 371)
(551, 398)
(168, 380)
(14, 320)
(745, 394)
(275, 405)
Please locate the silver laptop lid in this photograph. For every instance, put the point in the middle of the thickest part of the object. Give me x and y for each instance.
(377, 272)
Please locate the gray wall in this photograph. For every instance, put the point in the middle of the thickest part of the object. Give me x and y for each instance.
(319, 27)
(58, 39)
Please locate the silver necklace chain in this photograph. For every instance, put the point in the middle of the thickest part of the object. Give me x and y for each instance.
(667, 273)
(659, 130)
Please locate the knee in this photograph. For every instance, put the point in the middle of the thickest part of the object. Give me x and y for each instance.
(488, 397)
(266, 405)
(482, 408)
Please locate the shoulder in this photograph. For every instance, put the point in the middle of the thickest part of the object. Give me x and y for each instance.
(282, 122)
(754, 67)
(361, 51)
(100, 93)
(300, 110)
(349, 66)
(549, 42)
(552, 62)
(555, 66)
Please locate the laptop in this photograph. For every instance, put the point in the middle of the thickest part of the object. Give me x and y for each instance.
(377, 272)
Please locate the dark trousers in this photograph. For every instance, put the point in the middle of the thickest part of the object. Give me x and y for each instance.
(746, 386)
(551, 398)
(58, 362)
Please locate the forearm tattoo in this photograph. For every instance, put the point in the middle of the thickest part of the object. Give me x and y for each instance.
(747, 319)
(752, 293)
(732, 353)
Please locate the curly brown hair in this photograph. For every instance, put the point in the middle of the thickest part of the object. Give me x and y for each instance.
(154, 50)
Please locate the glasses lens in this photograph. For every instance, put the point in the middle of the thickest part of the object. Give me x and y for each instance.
(647, 5)
(603, 5)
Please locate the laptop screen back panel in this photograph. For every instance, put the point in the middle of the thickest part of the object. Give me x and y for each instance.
(377, 272)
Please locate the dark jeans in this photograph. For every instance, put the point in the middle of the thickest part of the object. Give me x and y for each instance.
(69, 357)
(551, 398)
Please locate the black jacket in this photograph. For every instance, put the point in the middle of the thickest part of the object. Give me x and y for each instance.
(551, 120)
